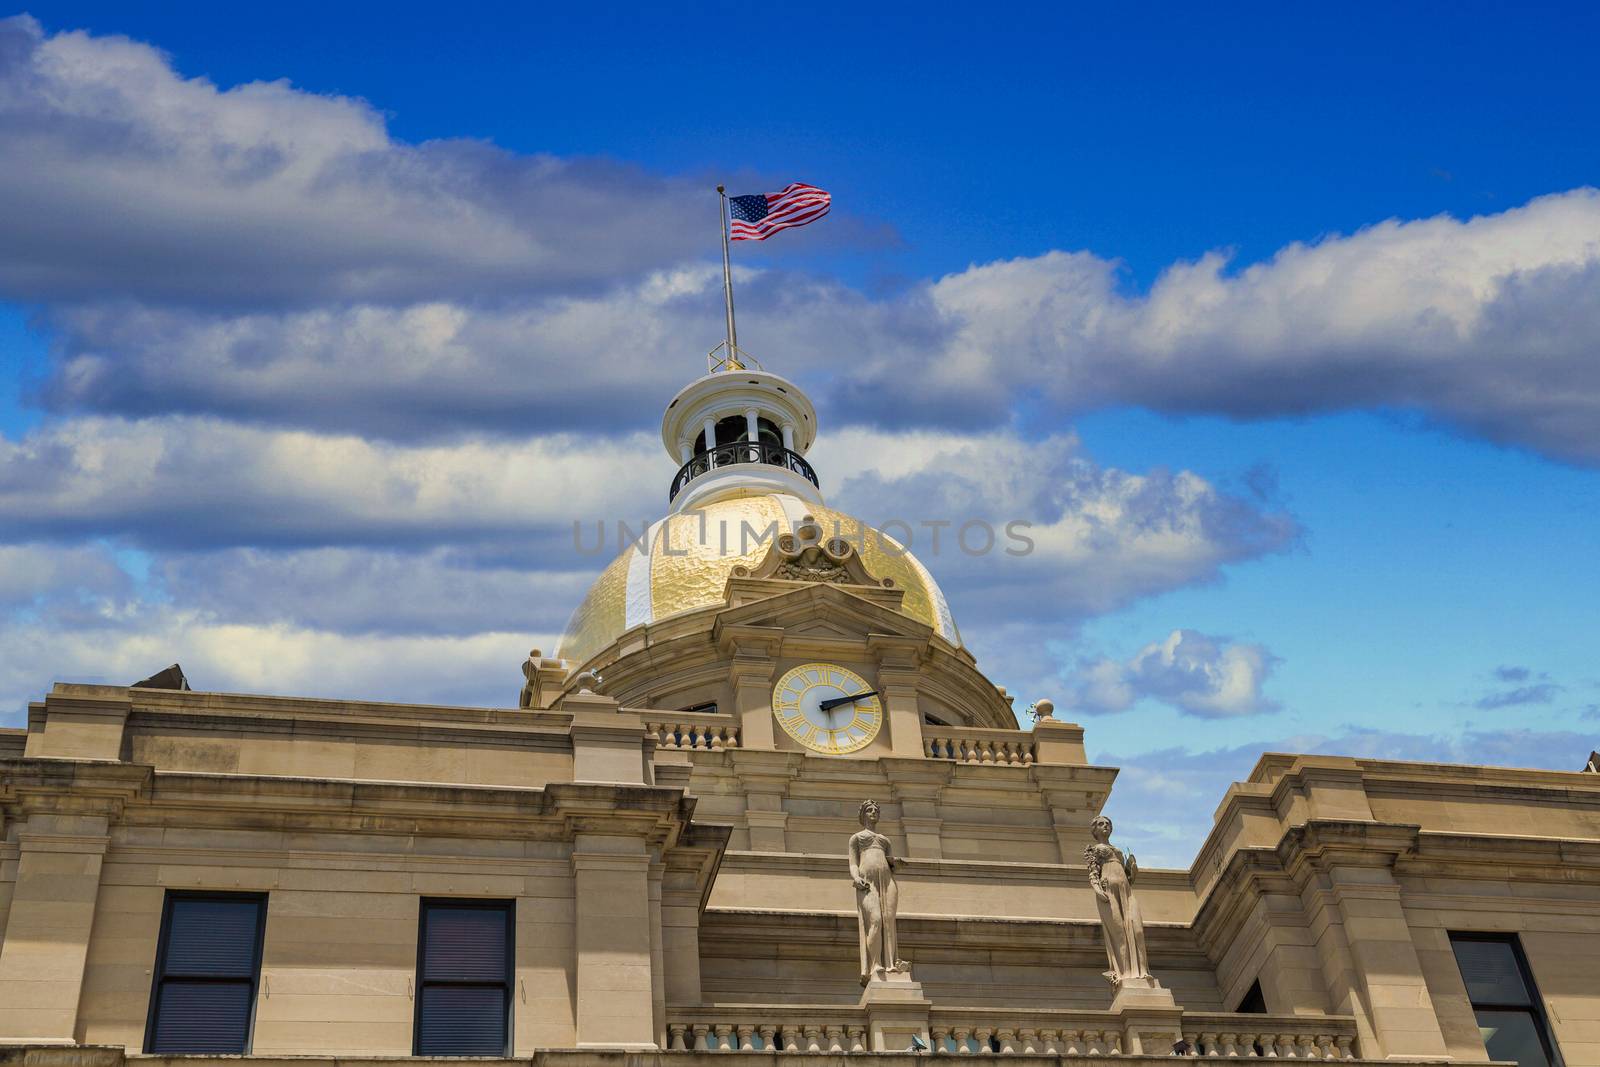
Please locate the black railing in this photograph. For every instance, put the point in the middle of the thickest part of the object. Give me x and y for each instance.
(742, 452)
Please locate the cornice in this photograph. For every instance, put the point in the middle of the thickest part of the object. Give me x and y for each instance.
(1503, 856)
(70, 786)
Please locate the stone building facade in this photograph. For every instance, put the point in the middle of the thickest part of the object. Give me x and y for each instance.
(646, 859)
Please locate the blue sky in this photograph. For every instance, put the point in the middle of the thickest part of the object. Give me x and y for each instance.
(1337, 463)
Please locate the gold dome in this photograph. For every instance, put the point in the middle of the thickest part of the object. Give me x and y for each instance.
(692, 553)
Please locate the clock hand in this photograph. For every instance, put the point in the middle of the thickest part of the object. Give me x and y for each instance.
(829, 705)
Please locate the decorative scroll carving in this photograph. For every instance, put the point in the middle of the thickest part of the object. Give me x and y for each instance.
(807, 556)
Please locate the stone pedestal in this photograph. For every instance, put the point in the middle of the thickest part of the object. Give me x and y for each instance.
(1151, 1020)
(896, 1011)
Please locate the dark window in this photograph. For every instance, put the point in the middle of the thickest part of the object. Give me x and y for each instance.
(464, 978)
(1253, 1003)
(207, 966)
(1510, 1014)
(708, 708)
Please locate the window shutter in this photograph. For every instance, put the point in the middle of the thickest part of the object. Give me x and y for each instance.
(203, 1017)
(212, 937)
(208, 963)
(464, 979)
(462, 1021)
(465, 945)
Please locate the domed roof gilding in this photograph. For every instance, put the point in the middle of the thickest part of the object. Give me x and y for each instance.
(691, 555)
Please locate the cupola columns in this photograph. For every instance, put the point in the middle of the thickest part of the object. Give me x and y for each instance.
(740, 432)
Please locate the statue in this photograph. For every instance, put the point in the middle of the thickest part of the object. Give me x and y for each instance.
(1111, 877)
(877, 899)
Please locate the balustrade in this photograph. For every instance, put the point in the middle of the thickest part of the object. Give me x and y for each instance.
(986, 1032)
(775, 1029)
(692, 730)
(1012, 748)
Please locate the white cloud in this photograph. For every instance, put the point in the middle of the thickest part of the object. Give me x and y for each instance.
(477, 669)
(1486, 324)
(120, 176)
(306, 533)
(1210, 677)
(204, 482)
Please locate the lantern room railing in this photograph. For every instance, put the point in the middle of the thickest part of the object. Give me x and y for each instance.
(742, 452)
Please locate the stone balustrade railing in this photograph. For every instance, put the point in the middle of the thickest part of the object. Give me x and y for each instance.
(1015, 748)
(1284, 1037)
(1243, 1036)
(984, 1031)
(692, 730)
(778, 1028)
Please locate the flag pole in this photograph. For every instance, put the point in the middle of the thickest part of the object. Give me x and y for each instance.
(732, 340)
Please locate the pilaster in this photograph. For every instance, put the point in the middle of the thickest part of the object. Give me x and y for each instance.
(764, 779)
(615, 947)
(79, 722)
(1369, 960)
(915, 785)
(609, 743)
(754, 650)
(48, 928)
(1074, 796)
(899, 676)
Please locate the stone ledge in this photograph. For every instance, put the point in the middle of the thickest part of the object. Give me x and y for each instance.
(109, 1056)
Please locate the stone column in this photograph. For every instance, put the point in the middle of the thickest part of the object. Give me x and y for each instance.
(711, 434)
(47, 930)
(752, 428)
(788, 436)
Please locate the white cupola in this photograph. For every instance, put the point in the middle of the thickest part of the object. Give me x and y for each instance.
(739, 432)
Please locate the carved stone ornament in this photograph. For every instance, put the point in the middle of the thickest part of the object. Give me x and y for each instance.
(806, 555)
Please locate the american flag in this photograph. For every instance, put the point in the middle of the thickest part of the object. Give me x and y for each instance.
(755, 218)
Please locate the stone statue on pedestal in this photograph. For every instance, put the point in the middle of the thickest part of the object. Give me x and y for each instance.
(877, 899)
(1111, 876)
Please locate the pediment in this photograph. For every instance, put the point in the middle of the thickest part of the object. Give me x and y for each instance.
(815, 613)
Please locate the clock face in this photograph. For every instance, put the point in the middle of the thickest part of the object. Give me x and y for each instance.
(826, 708)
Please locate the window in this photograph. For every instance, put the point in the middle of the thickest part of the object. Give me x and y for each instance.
(1510, 1013)
(208, 963)
(464, 978)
